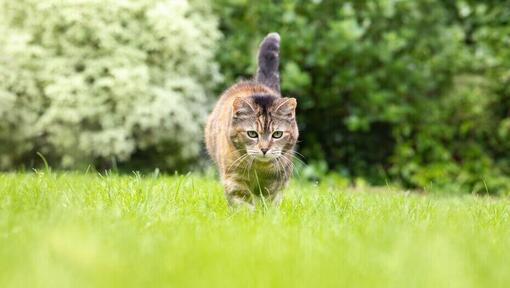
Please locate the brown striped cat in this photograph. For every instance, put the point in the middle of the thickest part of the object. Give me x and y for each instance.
(252, 131)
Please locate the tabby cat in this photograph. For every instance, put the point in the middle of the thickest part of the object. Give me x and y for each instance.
(252, 131)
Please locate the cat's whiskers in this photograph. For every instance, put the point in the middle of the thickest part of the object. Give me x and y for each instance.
(239, 161)
(281, 164)
(293, 155)
(289, 158)
(276, 163)
(296, 152)
(287, 162)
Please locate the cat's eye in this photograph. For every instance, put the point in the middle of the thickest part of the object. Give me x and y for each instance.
(252, 134)
(277, 134)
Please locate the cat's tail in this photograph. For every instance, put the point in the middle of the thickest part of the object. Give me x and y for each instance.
(268, 61)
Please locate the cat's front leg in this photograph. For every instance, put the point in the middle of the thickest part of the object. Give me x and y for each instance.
(238, 194)
(276, 198)
(275, 193)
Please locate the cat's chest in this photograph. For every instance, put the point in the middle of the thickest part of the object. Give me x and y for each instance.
(264, 181)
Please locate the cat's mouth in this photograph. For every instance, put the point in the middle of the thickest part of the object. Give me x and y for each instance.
(264, 159)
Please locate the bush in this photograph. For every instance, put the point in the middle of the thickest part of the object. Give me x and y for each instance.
(386, 89)
(88, 82)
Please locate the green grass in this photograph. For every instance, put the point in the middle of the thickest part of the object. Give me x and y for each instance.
(77, 230)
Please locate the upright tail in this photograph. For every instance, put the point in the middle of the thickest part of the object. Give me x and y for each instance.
(268, 61)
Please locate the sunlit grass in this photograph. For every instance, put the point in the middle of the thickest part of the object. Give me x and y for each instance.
(77, 230)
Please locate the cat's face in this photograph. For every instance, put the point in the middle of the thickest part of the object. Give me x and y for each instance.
(264, 126)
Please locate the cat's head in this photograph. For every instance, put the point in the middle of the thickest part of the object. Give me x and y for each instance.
(264, 126)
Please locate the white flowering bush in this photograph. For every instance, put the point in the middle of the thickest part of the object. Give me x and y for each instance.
(87, 81)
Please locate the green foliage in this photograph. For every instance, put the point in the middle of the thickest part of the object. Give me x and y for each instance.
(76, 230)
(415, 92)
(85, 82)
(389, 89)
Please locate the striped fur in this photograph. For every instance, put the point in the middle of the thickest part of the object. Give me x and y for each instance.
(248, 166)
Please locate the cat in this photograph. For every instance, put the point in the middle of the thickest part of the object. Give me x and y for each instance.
(252, 132)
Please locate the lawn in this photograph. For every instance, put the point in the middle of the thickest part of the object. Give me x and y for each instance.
(90, 230)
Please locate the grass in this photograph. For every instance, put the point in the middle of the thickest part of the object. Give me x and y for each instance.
(78, 230)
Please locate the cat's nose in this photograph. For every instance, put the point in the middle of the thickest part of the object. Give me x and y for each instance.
(264, 150)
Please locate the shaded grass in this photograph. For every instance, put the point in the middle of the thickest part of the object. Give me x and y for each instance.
(77, 230)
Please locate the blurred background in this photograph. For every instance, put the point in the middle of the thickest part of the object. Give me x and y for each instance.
(415, 93)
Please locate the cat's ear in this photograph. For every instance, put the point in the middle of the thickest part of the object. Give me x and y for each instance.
(241, 107)
(286, 107)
